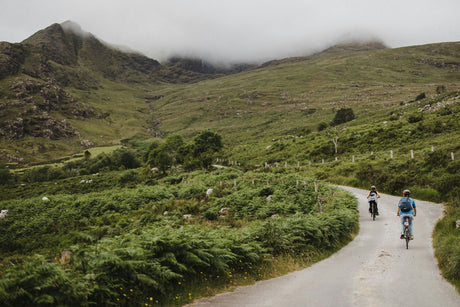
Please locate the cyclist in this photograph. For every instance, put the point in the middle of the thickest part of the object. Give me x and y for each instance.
(406, 207)
(372, 197)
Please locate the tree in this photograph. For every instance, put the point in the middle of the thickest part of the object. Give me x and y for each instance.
(205, 145)
(333, 134)
(208, 141)
(174, 146)
(342, 116)
(125, 158)
(167, 154)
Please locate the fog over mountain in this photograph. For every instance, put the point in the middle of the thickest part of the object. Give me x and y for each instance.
(237, 30)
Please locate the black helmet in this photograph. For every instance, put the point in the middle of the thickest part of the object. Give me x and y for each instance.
(406, 192)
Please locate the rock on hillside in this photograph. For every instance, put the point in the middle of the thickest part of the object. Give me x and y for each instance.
(29, 109)
(11, 58)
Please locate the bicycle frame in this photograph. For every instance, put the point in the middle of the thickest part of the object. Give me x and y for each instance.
(373, 205)
(406, 230)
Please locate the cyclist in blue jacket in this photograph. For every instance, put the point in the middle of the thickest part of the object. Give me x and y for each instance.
(406, 207)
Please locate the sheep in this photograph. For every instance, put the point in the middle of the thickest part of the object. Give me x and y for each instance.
(223, 212)
(3, 214)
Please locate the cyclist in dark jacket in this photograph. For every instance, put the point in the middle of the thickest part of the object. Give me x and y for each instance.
(372, 196)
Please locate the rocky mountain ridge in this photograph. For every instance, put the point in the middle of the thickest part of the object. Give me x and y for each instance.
(35, 73)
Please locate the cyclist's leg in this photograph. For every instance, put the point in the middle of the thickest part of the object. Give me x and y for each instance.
(402, 223)
(411, 218)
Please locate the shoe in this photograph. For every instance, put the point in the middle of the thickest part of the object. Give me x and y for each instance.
(412, 237)
(377, 213)
(402, 236)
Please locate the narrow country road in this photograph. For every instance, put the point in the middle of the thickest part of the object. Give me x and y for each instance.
(375, 269)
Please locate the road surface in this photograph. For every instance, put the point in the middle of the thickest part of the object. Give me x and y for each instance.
(375, 269)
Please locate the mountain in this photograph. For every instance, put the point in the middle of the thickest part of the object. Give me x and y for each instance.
(63, 90)
(47, 82)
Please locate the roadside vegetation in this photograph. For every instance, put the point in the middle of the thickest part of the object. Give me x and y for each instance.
(169, 240)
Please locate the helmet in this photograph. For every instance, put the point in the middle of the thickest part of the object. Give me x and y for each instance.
(373, 187)
(406, 192)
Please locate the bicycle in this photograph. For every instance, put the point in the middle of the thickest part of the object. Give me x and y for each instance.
(373, 212)
(373, 206)
(406, 230)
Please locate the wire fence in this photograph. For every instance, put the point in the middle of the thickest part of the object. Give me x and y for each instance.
(382, 155)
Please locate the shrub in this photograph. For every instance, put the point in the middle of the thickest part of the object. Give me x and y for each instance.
(5, 175)
(322, 126)
(415, 118)
(420, 96)
(342, 116)
(38, 282)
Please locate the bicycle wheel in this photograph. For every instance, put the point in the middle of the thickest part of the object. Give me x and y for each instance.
(407, 235)
(373, 211)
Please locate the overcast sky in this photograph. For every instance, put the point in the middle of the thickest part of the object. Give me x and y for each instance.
(238, 30)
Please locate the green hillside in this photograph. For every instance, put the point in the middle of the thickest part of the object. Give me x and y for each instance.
(105, 95)
(300, 94)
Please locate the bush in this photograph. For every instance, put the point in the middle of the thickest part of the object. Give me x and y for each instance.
(420, 96)
(38, 282)
(415, 118)
(322, 126)
(447, 247)
(342, 116)
(5, 175)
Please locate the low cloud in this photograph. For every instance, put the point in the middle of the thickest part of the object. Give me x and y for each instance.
(237, 30)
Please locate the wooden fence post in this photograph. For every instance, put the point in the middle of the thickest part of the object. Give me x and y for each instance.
(452, 155)
(391, 154)
(411, 154)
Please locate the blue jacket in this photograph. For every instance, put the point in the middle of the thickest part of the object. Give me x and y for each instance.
(412, 203)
